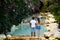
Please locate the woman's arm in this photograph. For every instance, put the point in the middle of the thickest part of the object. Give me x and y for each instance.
(42, 23)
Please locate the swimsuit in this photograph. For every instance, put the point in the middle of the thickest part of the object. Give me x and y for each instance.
(38, 27)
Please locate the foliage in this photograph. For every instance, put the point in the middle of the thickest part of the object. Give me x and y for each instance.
(13, 11)
(55, 10)
(36, 1)
(53, 7)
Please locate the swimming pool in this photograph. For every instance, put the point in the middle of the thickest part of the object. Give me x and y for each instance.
(24, 29)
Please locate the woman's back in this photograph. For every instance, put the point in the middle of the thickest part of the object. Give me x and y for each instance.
(38, 24)
(38, 21)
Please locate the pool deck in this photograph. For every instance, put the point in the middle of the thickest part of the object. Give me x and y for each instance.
(22, 38)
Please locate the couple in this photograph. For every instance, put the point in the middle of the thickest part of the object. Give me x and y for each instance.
(35, 25)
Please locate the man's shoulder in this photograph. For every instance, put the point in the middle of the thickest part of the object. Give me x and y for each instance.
(33, 21)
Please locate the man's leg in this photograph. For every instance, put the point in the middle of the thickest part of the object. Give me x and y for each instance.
(31, 33)
(34, 34)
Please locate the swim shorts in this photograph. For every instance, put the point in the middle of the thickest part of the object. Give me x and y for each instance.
(38, 27)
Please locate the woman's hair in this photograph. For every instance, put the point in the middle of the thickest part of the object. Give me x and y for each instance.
(38, 20)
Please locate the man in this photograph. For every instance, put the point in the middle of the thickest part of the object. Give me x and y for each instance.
(33, 25)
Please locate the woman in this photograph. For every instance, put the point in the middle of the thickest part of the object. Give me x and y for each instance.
(38, 27)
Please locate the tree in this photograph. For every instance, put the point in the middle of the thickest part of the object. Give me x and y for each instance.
(11, 12)
(54, 7)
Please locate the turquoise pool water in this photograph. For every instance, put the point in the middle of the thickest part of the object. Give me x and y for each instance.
(24, 29)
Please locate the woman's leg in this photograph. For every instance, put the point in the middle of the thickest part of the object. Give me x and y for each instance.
(38, 33)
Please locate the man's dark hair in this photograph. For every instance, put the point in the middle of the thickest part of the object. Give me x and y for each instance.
(32, 17)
